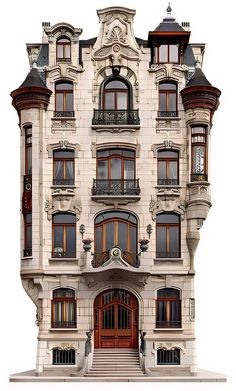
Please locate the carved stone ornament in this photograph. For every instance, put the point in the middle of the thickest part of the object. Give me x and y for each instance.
(197, 116)
(169, 71)
(167, 203)
(169, 345)
(62, 201)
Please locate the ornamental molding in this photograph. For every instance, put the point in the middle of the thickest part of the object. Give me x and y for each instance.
(166, 125)
(63, 125)
(62, 201)
(62, 144)
(63, 71)
(119, 145)
(167, 201)
(198, 116)
(33, 288)
(62, 345)
(167, 144)
(173, 72)
(169, 346)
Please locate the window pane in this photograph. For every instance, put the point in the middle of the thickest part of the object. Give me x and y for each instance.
(69, 170)
(167, 86)
(129, 169)
(167, 153)
(174, 239)
(64, 86)
(161, 239)
(110, 242)
(172, 102)
(122, 236)
(133, 239)
(167, 218)
(28, 165)
(163, 51)
(70, 239)
(63, 218)
(162, 170)
(58, 237)
(115, 168)
(116, 84)
(198, 160)
(122, 103)
(59, 51)
(69, 102)
(168, 293)
(109, 101)
(58, 170)
(162, 102)
(172, 174)
(63, 153)
(59, 101)
(28, 237)
(98, 239)
(173, 53)
(102, 169)
(67, 51)
(28, 218)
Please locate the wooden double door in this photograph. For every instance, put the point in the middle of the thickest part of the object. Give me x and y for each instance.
(116, 320)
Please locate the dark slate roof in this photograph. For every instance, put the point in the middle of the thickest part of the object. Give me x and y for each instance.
(43, 55)
(169, 24)
(33, 79)
(198, 79)
(189, 58)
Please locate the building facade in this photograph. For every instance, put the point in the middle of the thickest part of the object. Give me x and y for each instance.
(115, 137)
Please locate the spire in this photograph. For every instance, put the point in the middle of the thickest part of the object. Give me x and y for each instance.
(169, 10)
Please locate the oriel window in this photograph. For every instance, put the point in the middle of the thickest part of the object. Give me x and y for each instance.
(28, 150)
(199, 155)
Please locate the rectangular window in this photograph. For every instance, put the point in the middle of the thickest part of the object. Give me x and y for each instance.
(199, 157)
(28, 150)
(167, 54)
(168, 357)
(63, 357)
(168, 235)
(28, 235)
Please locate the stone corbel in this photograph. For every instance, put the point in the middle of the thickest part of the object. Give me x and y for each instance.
(62, 201)
(192, 239)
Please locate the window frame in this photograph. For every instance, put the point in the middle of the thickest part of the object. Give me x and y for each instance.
(175, 359)
(168, 253)
(63, 323)
(116, 155)
(60, 352)
(166, 92)
(167, 59)
(28, 149)
(198, 176)
(64, 160)
(27, 235)
(68, 109)
(170, 306)
(115, 91)
(64, 46)
(64, 253)
(167, 160)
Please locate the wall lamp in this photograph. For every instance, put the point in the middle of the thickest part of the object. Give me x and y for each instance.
(82, 229)
(149, 230)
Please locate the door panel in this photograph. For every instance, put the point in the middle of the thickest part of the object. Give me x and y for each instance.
(116, 320)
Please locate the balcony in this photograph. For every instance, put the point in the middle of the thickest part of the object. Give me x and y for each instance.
(116, 120)
(63, 324)
(63, 114)
(120, 190)
(100, 258)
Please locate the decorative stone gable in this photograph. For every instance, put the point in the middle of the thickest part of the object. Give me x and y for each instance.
(116, 40)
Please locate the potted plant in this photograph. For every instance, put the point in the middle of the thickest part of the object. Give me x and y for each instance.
(87, 244)
(143, 244)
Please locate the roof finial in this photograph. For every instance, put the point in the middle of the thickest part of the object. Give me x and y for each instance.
(169, 10)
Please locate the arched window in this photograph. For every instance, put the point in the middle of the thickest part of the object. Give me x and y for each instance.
(63, 356)
(167, 99)
(116, 172)
(116, 228)
(116, 95)
(168, 308)
(168, 235)
(199, 155)
(64, 99)
(63, 308)
(168, 167)
(64, 235)
(63, 167)
(63, 50)
(168, 356)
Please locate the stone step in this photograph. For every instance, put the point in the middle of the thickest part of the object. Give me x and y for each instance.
(110, 375)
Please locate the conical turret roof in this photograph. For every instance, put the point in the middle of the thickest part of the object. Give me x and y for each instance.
(198, 79)
(33, 79)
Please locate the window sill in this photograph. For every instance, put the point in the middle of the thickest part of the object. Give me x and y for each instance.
(27, 258)
(63, 186)
(72, 329)
(63, 259)
(164, 329)
(179, 260)
(167, 186)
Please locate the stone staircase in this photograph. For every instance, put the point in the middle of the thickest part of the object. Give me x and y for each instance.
(115, 363)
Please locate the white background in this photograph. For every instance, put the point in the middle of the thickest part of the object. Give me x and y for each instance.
(210, 23)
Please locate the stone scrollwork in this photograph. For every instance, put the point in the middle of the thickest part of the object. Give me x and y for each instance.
(169, 345)
(167, 202)
(62, 201)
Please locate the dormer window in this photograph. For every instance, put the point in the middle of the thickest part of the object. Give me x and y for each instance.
(167, 54)
(63, 50)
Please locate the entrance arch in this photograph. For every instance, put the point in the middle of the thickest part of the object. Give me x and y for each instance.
(116, 319)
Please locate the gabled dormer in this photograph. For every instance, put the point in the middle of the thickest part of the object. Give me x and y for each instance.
(168, 41)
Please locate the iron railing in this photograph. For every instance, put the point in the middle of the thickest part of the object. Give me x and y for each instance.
(100, 258)
(168, 356)
(116, 187)
(167, 181)
(59, 114)
(27, 252)
(168, 323)
(167, 113)
(63, 254)
(63, 182)
(63, 323)
(64, 59)
(116, 117)
(168, 254)
(198, 177)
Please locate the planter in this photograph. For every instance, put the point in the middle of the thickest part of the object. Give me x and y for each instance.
(87, 244)
(144, 244)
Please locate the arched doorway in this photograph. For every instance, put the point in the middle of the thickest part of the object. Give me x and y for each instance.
(116, 320)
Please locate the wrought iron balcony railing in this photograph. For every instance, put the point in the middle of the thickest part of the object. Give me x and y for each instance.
(167, 113)
(168, 323)
(168, 254)
(100, 258)
(64, 59)
(198, 177)
(63, 182)
(115, 187)
(116, 117)
(59, 114)
(167, 181)
(63, 323)
(63, 254)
